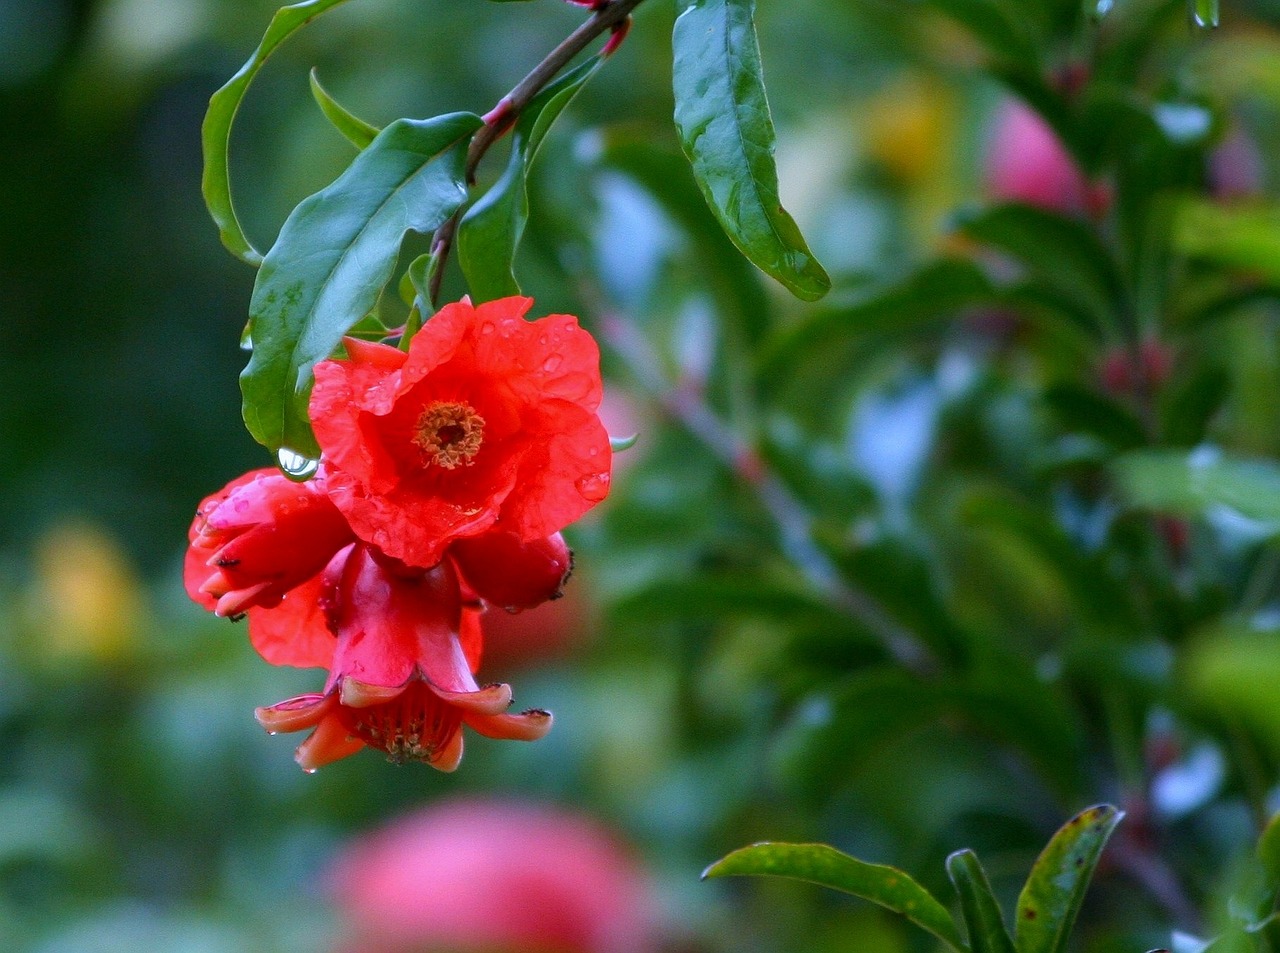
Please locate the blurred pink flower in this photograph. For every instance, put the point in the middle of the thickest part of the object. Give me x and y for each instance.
(491, 877)
(1026, 162)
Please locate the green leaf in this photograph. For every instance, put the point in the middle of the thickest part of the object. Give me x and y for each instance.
(828, 867)
(663, 172)
(1269, 851)
(987, 932)
(490, 232)
(335, 254)
(1196, 482)
(722, 116)
(1000, 31)
(356, 131)
(1063, 252)
(215, 133)
(1190, 405)
(1051, 898)
(1235, 237)
(937, 290)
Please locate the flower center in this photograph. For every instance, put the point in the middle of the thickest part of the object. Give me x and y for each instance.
(449, 434)
(413, 726)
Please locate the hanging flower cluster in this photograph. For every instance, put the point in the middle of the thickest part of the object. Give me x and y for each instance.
(447, 473)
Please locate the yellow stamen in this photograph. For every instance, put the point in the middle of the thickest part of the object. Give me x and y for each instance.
(449, 434)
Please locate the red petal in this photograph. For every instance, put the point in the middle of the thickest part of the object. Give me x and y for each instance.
(294, 714)
(296, 632)
(327, 744)
(490, 700)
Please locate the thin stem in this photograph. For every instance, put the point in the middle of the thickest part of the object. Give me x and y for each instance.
(610, 15)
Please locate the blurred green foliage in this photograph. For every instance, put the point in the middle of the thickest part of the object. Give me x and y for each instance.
(984, 537)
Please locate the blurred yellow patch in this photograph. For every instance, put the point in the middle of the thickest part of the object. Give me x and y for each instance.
(908, 129)
(85, 602)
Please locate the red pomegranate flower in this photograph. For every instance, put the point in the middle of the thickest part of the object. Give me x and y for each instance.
(401, 675)
(258, 537)
(488, 421)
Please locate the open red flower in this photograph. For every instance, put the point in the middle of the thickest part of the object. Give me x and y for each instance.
(401, 679)
(488, 420)
(258, 537)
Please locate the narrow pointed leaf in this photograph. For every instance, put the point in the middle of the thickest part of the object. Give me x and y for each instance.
(335, 254)
(215, 133)
(489, 234)
(1051, 898)
(981, 912)
(354, 129)
(828, 867)
(722, 116)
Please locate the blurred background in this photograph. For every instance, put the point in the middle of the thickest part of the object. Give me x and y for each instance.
(691, 669)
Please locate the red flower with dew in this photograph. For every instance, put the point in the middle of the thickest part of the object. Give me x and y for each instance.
(401, 676)
(258, 537)
(489, 421)
(481, 876)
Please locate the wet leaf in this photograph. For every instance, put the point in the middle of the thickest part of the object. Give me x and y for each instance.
(722, 116)
(335, 254)
(828, 867)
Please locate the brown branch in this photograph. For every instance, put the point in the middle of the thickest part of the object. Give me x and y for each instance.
(610, 15)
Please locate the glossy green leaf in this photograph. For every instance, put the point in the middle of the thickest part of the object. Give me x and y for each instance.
(828, 867)
(490, 232)
(978, 906)
(354, 129)
(215, 133)
(722, 116)
(335, 254)
(1063, 252)
(1196, 482)
(1051, 898)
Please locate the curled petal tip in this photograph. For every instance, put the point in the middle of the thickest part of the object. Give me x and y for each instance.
(238, 600)
(357, 694)
(490, 700)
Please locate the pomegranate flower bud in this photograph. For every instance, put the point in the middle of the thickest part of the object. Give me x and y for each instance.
(1026, 162)
(260, 536)
(514, 575)
(401, 677)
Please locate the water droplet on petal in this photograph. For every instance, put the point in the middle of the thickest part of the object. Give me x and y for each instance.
(486, 328)
(296, 466)
(553, 362)
(309, 770)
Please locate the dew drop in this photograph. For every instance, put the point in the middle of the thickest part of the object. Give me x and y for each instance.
(309, 770)
(1100, 8)
(1203, 13)
(486, 328)
(296, 466)
(553, 362)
